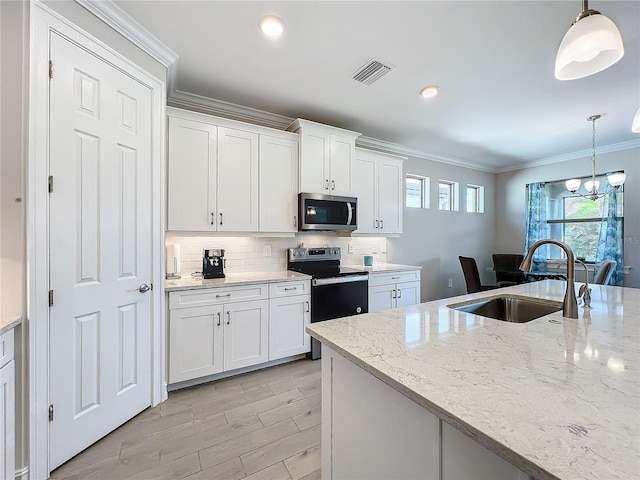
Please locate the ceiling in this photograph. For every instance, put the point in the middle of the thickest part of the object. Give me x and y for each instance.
(499, 105)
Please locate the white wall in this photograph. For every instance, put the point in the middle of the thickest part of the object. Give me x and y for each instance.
(511, 201)
(434, 239)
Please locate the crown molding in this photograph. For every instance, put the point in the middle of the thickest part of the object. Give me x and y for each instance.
(125, 25)
(614, 147)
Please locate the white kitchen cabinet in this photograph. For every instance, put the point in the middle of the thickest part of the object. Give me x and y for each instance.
(217, 329)
(237, 181)
(7, 406)
(377, 183)
(289, 314)
(278, 184)
(191, 194)
(326, 154)
(246, 330)
(393, 290)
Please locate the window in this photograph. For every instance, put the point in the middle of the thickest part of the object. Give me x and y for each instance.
(417, 191)
(577, 221)
(475, 199)
(447, 195)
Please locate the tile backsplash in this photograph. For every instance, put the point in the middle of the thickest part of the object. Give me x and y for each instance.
(246, 254)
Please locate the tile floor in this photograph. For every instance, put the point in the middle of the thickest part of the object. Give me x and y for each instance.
(259, 425)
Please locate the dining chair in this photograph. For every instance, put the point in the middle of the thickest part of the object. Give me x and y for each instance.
(472, 277)
(507, 268)
(605, 272)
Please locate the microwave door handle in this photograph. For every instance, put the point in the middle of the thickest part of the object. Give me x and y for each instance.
(349, 213)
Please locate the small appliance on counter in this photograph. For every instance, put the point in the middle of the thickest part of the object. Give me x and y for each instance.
(173, 262)
(213, 263)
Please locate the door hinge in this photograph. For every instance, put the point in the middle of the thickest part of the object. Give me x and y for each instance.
(50, 69)
(51, 298)
(51, 412)
(50, 183)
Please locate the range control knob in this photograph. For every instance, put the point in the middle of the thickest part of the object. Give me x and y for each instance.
(359, 310)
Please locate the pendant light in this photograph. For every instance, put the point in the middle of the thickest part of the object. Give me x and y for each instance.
(615, 179)
(592, 44)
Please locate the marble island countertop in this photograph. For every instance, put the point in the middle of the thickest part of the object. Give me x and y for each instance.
(233, 279)
(556, 397)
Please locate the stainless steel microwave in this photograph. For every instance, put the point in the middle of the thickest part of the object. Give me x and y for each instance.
(327, 212)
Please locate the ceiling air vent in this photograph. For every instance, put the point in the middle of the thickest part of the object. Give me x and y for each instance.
(371, 71)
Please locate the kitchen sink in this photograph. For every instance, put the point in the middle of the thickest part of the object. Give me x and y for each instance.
(509, 308)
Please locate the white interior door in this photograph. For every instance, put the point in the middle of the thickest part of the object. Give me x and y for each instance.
(100, 248)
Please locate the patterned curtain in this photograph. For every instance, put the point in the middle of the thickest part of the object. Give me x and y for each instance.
(610, 244)
(537, 227)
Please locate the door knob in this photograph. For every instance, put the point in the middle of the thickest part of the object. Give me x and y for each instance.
(144, 288)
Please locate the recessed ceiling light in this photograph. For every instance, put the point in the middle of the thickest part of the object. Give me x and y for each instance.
(429, 92)
(271, 26)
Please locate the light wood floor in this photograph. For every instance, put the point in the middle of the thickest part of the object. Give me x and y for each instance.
(260, 425)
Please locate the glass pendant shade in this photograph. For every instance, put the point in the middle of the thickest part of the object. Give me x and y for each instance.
(635, 126)
(589, 185)
(573, 184)
(616, 179)
(592, 44)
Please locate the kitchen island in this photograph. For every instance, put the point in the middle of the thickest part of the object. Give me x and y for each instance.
(431, 391)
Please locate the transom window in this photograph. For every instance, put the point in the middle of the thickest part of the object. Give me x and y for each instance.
(475, 199)
(447, 195)
(416, 191)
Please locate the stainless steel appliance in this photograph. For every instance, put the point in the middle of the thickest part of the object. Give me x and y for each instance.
(213, 263)
(327, 212)
(335, 291)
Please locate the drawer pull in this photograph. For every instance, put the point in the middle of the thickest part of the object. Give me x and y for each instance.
(223, 295)
(287, 289)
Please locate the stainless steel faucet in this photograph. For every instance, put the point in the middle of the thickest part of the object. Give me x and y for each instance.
(570, 303)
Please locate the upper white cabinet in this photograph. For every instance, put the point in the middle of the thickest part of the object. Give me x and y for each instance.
(326, 154)
(226, 176)
(278, 184)
(377, 183)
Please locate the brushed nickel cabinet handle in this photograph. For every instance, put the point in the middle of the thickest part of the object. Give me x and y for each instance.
(219, 323)
(212, 218)
(308, 306)
(326, 184)
(333, 184)
(228, 317)
(220, 218)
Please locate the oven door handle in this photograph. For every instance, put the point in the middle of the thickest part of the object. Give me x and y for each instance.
(335, 280)
(349, 213)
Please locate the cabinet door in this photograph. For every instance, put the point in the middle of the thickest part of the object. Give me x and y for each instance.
(7, 421)
(246, 329)
(288, 317)
(381, 297)
(195, 342)
(314, 158)
(363, 187)
(389, 189)
(191, 192)
(278, 184)
(342, 153)
(237, 181)
(407, 294)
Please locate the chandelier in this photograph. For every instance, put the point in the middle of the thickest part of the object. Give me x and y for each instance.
(615, 179)
(592, 44)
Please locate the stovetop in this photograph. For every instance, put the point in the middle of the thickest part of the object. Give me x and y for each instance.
(321, 262)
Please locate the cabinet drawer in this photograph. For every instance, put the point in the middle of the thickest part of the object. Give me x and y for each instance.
(216, 296)
(395, 277)
(6, 348)
(285, 289)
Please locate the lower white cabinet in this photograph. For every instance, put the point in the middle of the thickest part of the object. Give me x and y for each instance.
(393, 290)
(7, 406)
(216, 330)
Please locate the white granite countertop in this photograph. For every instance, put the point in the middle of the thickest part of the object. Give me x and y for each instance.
(233, 279)
(9, 321)
(556, 397)
(386, 267)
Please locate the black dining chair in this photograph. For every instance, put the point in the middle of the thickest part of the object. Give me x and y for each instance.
(507, 268)
(472, 277)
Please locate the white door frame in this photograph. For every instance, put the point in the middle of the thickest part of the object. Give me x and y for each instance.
(44, 20)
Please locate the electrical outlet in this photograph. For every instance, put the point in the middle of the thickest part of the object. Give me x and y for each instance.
(450, 283)
(350, 247)
(266, 250)
(375, 249)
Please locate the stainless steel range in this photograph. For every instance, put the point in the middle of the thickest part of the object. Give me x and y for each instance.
(335, 291)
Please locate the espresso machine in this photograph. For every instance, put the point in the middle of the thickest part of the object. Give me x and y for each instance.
(213, 263)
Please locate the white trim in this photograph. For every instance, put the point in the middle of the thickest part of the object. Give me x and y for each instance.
(125, 25)
(22, 474)
(615, 147)
(44, 20)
